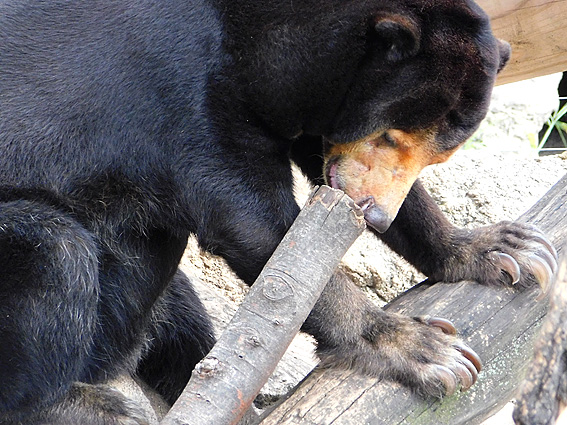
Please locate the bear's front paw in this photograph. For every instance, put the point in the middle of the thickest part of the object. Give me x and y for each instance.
(506, 253)
(422, 353)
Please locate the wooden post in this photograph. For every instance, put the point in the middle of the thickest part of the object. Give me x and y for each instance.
(536, 31)
(499, 324)
(225, 383)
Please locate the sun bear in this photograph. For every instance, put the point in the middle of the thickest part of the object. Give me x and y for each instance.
(127, 125)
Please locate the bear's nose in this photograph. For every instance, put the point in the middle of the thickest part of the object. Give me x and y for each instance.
(375, 216)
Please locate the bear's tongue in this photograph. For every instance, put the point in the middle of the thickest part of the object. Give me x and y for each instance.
(332, 177)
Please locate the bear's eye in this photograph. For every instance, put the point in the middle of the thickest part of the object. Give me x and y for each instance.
(389, 139)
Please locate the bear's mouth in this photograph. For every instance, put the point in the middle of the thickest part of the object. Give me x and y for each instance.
(332, 176)
(373, 214)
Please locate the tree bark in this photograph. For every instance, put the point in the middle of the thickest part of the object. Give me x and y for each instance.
(543, 393)
(499, 324)
(537, 33)
(226, 381)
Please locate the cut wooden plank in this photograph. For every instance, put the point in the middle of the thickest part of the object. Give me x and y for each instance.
(499, 324)
(225, 382)
(536, 31)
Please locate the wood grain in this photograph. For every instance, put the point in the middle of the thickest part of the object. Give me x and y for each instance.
(537, 32)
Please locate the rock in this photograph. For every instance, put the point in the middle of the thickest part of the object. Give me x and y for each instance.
(517, 114)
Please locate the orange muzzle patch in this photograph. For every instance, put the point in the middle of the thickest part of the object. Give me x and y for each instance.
(379, 170)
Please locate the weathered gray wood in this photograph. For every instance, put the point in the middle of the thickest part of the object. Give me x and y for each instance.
(297, 361)
(500, 325)
(542, 395)
(225, 383)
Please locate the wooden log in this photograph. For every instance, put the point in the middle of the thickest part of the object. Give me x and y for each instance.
(225, 383)
(542, 395)
(536, 31)
(499, 324)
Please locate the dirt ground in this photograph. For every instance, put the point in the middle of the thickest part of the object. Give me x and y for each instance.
(474, 188)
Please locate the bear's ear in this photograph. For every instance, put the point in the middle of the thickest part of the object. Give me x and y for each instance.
(398, 35)
(505, 52)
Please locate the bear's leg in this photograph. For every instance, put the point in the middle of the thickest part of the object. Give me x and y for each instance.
(88, 404)
(443, 252)
(500, 254)
(424, 354)
(48, 288)
(180, 335)
(49, 292)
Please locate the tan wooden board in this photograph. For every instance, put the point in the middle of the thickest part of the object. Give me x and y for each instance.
(537, 32)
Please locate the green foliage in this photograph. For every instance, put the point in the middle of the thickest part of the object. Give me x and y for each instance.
(554, 122)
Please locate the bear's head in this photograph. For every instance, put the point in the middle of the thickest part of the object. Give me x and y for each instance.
(419, 92)
(391, 86)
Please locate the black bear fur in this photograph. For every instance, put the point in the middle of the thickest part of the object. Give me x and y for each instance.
(127, 125)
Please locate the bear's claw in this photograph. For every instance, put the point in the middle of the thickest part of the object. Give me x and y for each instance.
(541, 264)
(461, 373)
(471, 356)
(468, 365)
(466, 376)
(508, 265)
(445, 325)
(542, 271)
(447, 377)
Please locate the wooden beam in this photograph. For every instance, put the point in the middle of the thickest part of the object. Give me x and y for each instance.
(536, 31)
(499, 324)
(542, 394)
